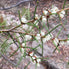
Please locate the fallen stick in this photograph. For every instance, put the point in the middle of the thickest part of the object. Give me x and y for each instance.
(8, 59)
(15, 5)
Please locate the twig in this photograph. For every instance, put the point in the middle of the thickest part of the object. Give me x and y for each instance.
(6, 30)
(63, 9)
(15, 5)
(8, 59)
(47, 65)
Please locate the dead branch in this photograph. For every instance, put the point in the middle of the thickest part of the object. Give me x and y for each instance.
(8, 59)
(15, 5)
(47, 65)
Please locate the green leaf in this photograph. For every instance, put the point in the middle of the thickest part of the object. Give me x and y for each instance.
(19, 60)
(19, 15)
(28, 13)
(68, 63)
(56, 48)
(61, 29)
(5, 46)
(23, 11)
(26, 65)
(35, 9)
(64, 3)
(53, 29)
(14, 52)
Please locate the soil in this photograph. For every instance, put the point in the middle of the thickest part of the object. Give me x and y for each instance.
(58, 59)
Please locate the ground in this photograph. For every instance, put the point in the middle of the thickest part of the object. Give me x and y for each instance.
(58, 59)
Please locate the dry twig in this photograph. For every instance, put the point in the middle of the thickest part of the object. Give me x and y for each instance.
(15, 5)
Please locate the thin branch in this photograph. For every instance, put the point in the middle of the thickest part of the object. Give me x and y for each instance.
(15, 5)
(63, 9)
(8, 59)
(7, 30)
(47, 65)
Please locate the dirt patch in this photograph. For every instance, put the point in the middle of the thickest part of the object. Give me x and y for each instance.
(59, 60)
